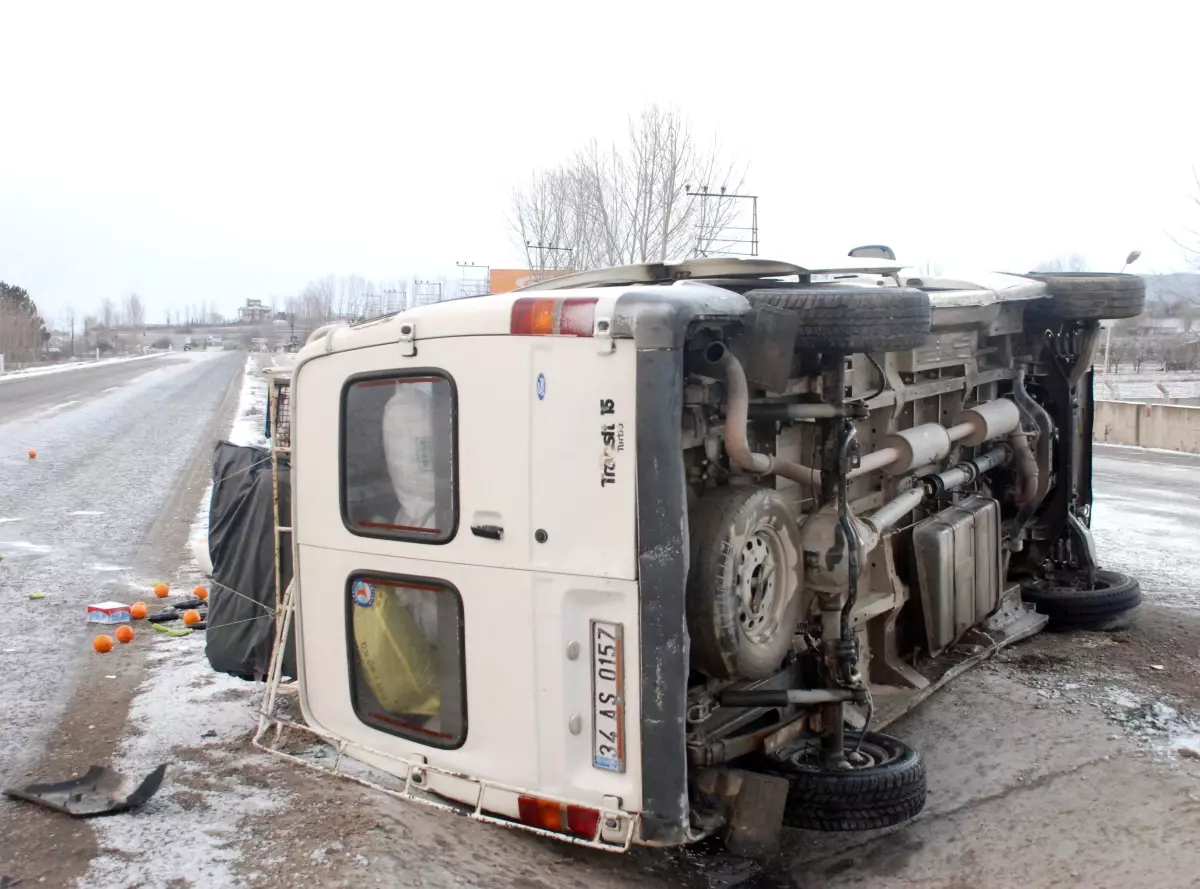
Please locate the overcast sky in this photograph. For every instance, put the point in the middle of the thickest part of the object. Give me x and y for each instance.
(240, 149)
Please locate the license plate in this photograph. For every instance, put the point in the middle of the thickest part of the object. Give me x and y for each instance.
(608, 696)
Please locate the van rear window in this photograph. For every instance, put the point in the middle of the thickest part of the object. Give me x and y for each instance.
(398, 460)
(406, 658)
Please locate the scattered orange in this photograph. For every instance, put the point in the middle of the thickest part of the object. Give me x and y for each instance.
(124, 634)
(102, 643)
(191, 616)
(200, 593)
(162, 590)
(32, 454)
(137, 610)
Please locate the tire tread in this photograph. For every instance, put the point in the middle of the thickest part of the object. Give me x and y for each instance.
(854, 319)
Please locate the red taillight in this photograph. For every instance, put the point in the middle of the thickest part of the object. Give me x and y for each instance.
(576, 317)
(582, 822)
(558, 818)
(537, 316)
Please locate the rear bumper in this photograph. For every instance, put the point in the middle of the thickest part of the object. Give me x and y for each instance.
(479, 799)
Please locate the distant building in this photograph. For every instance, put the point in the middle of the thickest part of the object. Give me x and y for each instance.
(254, 312)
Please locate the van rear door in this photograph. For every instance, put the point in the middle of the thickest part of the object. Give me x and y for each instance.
(509, 451)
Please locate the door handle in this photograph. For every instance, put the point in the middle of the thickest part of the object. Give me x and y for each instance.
(491, 532)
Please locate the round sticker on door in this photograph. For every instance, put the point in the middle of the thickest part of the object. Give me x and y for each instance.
(363, 593)
(541, 386)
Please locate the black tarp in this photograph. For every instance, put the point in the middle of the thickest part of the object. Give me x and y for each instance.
(241, 541)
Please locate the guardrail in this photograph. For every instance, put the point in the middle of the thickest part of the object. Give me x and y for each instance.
(1171, 427)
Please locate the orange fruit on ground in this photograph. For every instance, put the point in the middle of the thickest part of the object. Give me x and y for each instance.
(162, 590)
(124, 634)
(191, 616)
(137, 610)
(102, 643)
(32, 454)
(200, 593)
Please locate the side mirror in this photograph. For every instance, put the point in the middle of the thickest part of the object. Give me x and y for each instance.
(874, 251)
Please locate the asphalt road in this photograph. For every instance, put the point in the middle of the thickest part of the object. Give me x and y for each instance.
(99, 514)
(1146, 520)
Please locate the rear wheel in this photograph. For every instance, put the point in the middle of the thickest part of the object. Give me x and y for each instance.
(853, 319)
(743, 592)
(1108, 605)
(1089, 296)
(883, 785)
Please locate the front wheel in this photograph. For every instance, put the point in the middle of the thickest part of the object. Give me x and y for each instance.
(882, 785)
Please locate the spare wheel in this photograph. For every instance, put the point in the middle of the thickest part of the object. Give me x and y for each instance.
(1089, 296)
(853, 319)
(744, 580)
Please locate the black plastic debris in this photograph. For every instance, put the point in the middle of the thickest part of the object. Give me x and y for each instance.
(100, 792)
(241, 541)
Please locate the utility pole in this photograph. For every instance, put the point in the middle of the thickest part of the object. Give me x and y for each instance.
(389, 294)
(716, 217)
(542, 250)
(474, 287)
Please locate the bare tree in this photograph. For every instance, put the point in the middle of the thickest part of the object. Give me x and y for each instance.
(630, 202)
(69, 314)
(135, 311)
(1071, 262)
(108, 313)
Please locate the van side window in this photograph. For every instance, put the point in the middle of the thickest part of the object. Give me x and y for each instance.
(406, 658)
(398, 459)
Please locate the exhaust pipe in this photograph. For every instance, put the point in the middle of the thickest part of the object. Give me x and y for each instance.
(737, 407)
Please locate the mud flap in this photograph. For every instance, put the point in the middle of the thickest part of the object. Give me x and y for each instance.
(750, 805)
(100, 792)
(757, 817)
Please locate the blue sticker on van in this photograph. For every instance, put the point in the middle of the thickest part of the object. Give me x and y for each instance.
(363, 593)
(541, 386)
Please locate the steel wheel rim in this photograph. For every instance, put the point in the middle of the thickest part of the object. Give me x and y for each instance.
(760, 585)
(859, 756)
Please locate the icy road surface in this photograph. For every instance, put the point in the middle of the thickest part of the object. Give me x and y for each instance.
(79, 522)
(1146, 518)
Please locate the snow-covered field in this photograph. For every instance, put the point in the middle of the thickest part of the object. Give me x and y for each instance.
(1135, 387)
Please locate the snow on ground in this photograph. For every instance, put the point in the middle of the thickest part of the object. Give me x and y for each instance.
(248, 426)
(72, 365)
(188, 833)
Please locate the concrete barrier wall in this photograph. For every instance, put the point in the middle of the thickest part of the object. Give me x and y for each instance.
(1173, 427)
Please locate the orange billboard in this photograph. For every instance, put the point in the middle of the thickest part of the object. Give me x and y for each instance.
(505, 280)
